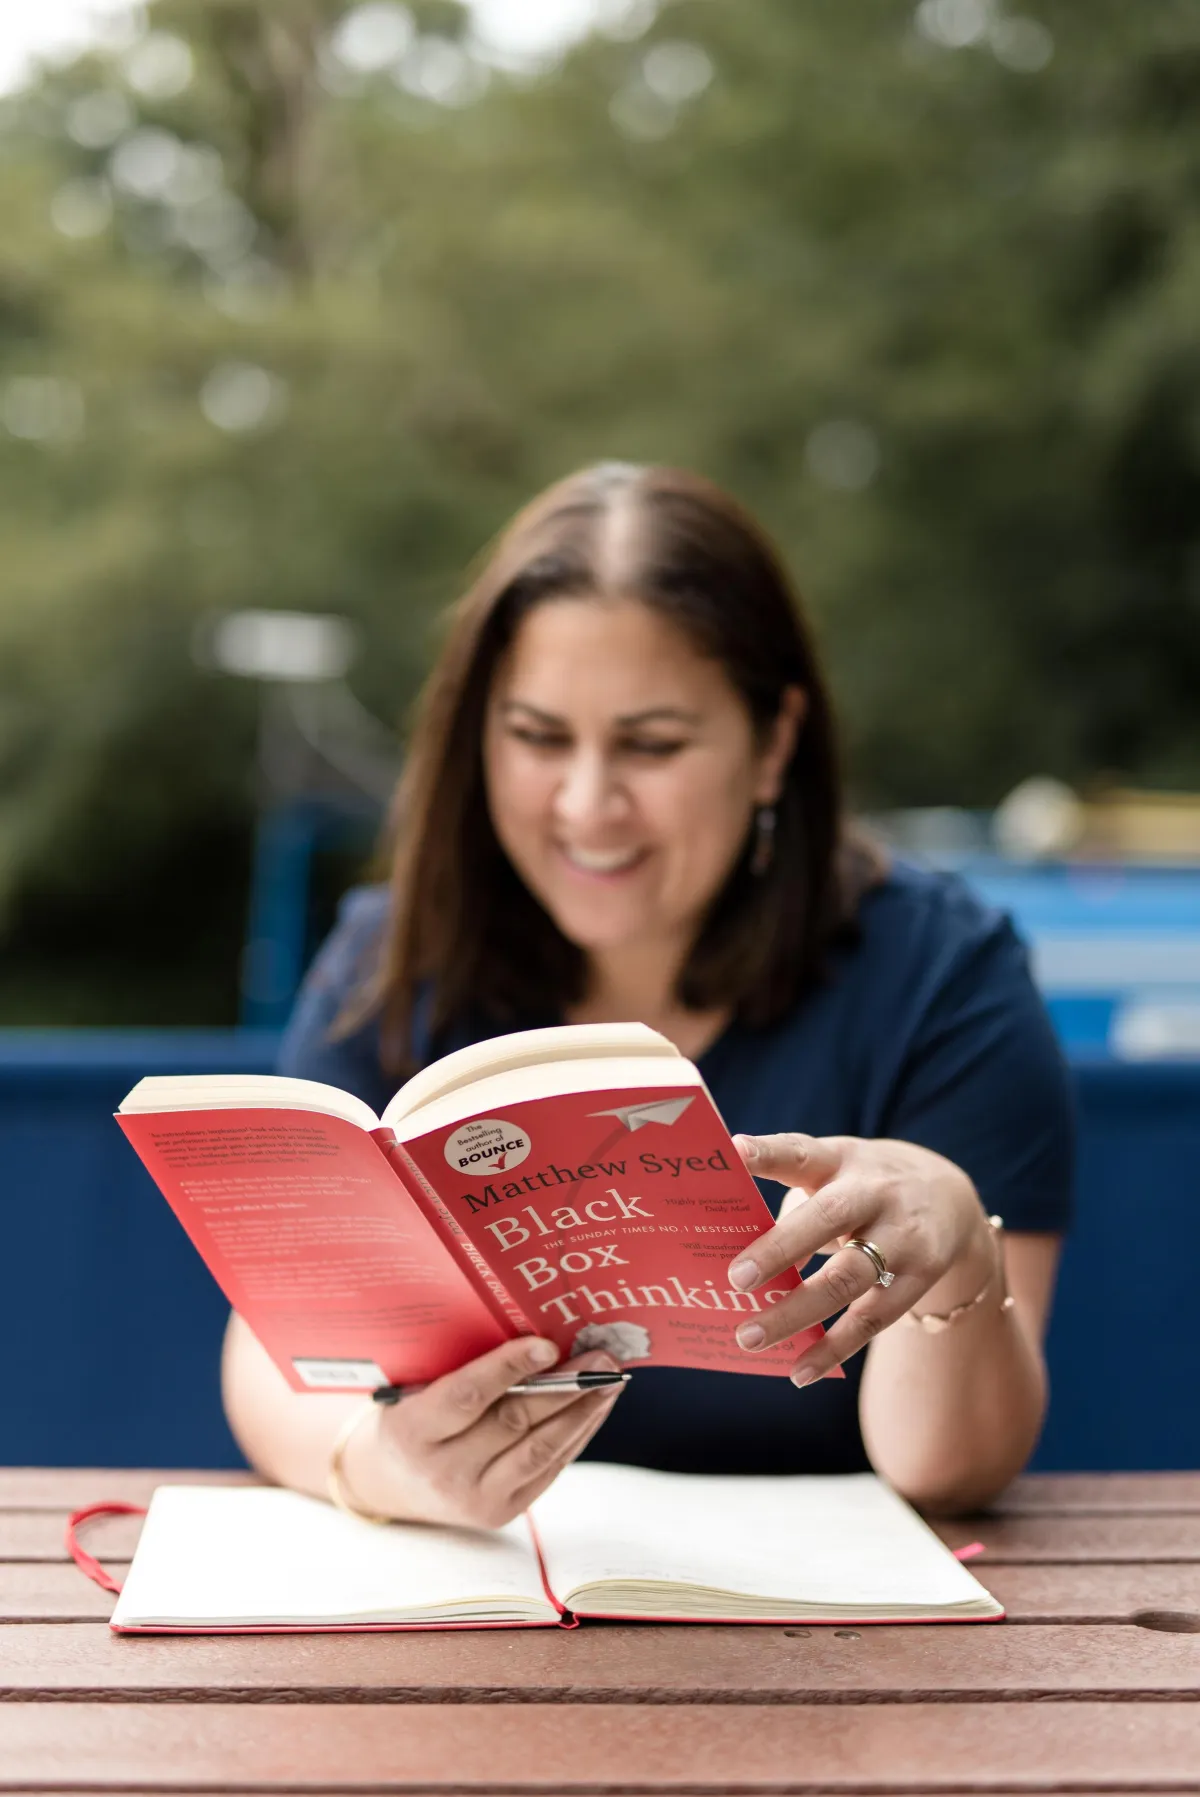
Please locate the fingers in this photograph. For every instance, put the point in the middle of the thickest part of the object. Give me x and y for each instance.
(465, 1450)
(843, 1278)
(794, 1160)
(525, 1495)
(851, 1333)
(515, 1415)
(796, 1195)
(478, 1479)
(543, 1451)
(452, 1405)
(847, 1282)
(833, 1210)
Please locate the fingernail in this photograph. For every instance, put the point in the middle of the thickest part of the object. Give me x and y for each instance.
(751, 1335)
(743, 1274)
(803, 1375)
(542, 1353)
(600, 1363)
(749, 1148)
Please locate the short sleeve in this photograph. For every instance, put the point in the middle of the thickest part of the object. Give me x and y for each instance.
(314, 1046)
(984, 1082)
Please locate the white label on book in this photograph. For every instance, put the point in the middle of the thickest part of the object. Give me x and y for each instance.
(340, 1375)
(486, 1145)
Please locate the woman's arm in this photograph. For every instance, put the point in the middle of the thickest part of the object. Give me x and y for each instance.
(949, 1418)
(978, 1110)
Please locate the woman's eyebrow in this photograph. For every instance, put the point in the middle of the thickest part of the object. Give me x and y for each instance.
(545, 717)
(674, 714)
(653, 714)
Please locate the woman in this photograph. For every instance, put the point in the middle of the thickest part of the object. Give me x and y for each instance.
(622, 802)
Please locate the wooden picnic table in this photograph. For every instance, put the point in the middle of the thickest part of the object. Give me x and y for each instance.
(1092, 1685)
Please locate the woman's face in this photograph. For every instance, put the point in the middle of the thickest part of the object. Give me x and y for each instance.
(623, 771)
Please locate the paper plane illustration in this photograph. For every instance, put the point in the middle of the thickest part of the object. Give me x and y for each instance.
(634, 1116)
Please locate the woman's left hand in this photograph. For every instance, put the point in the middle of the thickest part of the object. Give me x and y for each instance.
(918, 1209)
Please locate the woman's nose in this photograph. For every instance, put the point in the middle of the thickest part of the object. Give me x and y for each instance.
(587, 792)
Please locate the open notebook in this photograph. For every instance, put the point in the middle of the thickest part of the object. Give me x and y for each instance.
(606, 1541)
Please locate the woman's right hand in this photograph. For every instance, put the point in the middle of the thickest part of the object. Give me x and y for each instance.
(466, 1451)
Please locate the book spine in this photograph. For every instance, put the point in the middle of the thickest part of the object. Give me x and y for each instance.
(492, 1289)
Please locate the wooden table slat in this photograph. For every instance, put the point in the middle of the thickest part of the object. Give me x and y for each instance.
(40, 1535)
(598, 1664)
(42, 1591)
(1089, 1591)
(69, 1488)
(1063, 1538)
(616, 1748)
(1019, 1539)
(1092, 1592)
(1125, 1493)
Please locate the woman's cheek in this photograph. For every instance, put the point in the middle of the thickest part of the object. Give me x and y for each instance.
(520, 796)
(705, 828)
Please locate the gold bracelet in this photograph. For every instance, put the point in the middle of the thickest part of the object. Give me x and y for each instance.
(935, 1324)
(335, 1480)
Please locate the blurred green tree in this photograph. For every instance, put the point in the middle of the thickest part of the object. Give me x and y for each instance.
(299, 301)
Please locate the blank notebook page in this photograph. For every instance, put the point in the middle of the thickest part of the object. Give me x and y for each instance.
(223, 1556)
(846, 1542)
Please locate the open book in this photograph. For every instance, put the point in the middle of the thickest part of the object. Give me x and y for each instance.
(576, 1183)
(604, 1541)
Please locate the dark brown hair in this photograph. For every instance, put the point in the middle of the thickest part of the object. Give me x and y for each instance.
(461, 918)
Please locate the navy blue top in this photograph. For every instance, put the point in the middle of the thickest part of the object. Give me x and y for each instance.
(928, 1028)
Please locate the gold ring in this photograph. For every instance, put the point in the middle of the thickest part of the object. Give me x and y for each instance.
(875, 1256)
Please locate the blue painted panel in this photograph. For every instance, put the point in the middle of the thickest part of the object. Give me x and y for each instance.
(111, 1326)
(1124, 1346)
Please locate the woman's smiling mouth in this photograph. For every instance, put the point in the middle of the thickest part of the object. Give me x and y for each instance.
(601, 863)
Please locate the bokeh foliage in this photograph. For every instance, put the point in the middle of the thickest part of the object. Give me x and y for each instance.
(932, 315)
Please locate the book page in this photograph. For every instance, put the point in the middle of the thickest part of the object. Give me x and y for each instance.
(545, 1079)
(241, 1091)
(525, 1048)
(213, 1557)
(844, 1543)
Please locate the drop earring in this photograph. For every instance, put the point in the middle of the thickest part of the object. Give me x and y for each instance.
(764, 840)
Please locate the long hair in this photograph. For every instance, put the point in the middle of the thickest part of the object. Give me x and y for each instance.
(462, 923)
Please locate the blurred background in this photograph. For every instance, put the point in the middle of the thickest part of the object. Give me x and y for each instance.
(299, 300)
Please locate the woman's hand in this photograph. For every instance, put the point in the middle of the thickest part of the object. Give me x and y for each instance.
(919, 1210)
(465, 1451)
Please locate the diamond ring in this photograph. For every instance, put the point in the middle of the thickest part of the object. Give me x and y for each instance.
(882, 1276)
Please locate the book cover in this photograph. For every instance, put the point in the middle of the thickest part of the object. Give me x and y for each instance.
(610, 1217)
(306, 1227)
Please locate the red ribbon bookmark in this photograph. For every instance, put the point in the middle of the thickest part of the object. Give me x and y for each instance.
(87, 1562)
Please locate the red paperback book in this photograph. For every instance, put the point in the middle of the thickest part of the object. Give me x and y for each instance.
(576, 1183)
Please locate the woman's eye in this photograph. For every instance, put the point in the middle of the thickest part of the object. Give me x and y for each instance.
(658, 749)
(538, 739)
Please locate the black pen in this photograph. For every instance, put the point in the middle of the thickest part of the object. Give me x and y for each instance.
(544, 1386)
(570, 1382)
